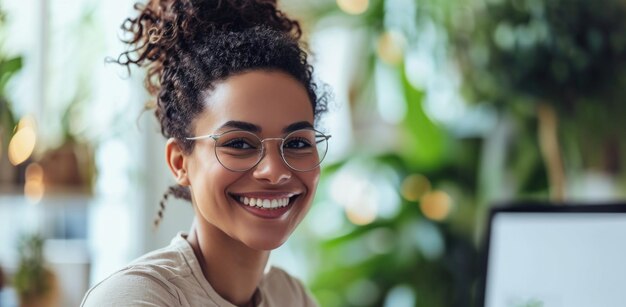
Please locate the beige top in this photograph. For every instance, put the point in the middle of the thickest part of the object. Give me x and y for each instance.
(171, 276)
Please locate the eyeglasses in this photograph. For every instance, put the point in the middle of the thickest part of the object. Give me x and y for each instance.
(238, 150)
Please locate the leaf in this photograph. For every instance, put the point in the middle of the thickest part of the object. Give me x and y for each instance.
(425, 149)
(7, 69)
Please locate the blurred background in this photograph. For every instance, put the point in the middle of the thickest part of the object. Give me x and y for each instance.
(441, 109)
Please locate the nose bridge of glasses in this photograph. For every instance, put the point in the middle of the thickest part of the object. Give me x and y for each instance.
(269, 139)
(265, 150)
(280, 141)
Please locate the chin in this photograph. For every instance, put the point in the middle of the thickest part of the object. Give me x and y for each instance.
(265, 244)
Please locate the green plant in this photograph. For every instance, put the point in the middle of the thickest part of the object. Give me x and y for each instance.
(557, 62)
(8, 67)
(32, 277)
(404, 256)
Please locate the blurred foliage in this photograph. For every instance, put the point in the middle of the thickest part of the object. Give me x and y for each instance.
(32, 277)
(570, 54)
(431, 263)
(8, 67)
(560, 51)
(410, 208)
(404, 256)
(512, 54)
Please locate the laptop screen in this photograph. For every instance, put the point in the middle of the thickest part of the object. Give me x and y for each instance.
(557, 257)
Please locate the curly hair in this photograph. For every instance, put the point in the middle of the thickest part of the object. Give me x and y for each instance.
(188, 46)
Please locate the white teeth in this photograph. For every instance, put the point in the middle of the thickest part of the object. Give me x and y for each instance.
(264, 203)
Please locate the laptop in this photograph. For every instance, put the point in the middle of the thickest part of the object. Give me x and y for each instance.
(542, 255)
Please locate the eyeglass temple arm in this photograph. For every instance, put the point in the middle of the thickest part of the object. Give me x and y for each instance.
(201, 137)
(326, 137)
(213, 136)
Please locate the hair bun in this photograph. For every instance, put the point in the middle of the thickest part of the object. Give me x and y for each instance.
(163, 28)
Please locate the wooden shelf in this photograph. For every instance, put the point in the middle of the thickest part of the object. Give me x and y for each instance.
(49, 192)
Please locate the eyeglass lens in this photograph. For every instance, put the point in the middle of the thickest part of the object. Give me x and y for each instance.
(302, 150)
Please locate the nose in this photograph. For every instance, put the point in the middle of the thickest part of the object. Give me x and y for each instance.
(272, 168)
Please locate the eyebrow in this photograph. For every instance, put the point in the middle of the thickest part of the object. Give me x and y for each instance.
(234, 124)
(298, 126)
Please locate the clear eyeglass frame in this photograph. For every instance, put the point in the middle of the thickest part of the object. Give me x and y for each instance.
(321, 139)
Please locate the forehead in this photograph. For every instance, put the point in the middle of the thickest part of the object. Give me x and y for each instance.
(269, 99)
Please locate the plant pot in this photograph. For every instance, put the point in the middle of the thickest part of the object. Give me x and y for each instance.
(69, 166)
(50, 298)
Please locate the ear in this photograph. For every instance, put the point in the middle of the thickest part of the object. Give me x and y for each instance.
(177, 161)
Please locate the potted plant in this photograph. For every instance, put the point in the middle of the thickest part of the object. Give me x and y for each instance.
(35, 284)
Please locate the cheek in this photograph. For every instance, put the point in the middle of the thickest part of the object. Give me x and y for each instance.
(209, 195)
(313, 178)
(208, 179)
(310, 180)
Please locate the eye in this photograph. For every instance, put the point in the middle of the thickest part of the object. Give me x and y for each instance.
(297, 143)
(239, 143)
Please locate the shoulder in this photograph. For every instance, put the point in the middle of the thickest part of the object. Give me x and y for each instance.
(154, 279)
(281, 289)
(133, 287)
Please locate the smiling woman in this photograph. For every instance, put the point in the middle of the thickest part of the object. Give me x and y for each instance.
(236, 100)
(268, 103)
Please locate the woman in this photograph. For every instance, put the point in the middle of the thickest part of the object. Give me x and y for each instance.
(236, 100)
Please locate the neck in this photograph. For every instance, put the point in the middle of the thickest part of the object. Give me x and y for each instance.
(233, 269)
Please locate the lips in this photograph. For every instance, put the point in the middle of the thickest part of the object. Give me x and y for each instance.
(266, 205)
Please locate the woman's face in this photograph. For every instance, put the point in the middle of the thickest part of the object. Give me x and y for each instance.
(270, 104)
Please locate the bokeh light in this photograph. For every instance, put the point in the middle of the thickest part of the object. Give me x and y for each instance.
(34, 172)
(366, 191)
(27, 121)
(353, 7)
(22, 145)
(362, 210)
(400, 296)
(390, 47)
(34, 190)
(414, 187)
(436, 205)
(34, 187)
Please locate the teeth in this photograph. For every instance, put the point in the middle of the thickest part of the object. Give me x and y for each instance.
(264, 203)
